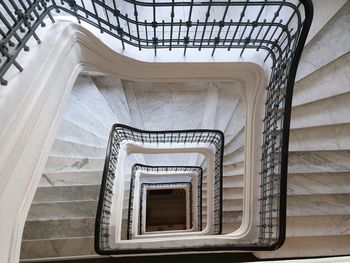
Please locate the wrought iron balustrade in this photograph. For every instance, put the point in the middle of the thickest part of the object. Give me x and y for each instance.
(122, 133)
(161, 170)
(208, 24)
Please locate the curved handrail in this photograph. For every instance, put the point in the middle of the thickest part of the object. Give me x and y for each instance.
(283, 41)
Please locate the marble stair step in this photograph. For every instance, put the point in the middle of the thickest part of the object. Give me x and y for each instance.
(66, 193)
(232, 205)
(236, 143)
(229, 96)
(112, 91)
(51, 248)
(330, 111)
(230, 227)
(318, 205)
(232, 217)
(162, 106)
(236, 123)
(233, 169)
(316, 86)
(59, 228)
(62, 210)
(318, 138)
(294, 247)
(78, 114)
(229, 181)
(319, 161)
(89, 95)
(233, 181)
(77, 177)
(235, 157)
(318, 183)
(229, 205)
(70, 164)
(330, 225)
(303, 206)
(232, 193)
(307, 205)
(328, 44)
(211, 116)
(73, 149)
(69, 131)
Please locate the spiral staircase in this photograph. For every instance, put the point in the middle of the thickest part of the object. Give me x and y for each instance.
(61, 220)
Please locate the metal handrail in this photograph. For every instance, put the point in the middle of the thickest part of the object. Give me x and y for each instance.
(147, 168)
(281, 38)
(122, 133)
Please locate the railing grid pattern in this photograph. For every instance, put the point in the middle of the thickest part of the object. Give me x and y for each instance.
(158, 171)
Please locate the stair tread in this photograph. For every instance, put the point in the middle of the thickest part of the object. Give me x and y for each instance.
(72, 132)
(318, 138)
(78, 177)
(69, 164)
(316, 85)
(74, 149)
(89, 96)
(65, 247)
(66, 193)
(328, 111)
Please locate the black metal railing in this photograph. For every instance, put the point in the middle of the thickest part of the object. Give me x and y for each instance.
(278, 28)
(160, 186)
(161, 170)
(162, 25)
(122, 133)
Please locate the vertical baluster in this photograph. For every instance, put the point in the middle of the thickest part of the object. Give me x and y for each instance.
(188, 25)
(146, 32)
(221, 25)
(178, 37)
(205, 24)
(211, 31)
(97, 16)
(238, 25)
(172, 14)
(128, 25)
(154, 25)
(137, 25)
(195, 33)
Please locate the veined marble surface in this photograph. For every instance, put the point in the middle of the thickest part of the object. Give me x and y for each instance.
(319, 161)
(70, 178)
(319, 183)
(330, 80)
(66, 193)
(62, 210)
(62, 163)
(58, 247)
(236, 122)
(300, 226)
(324, 204)
(236, 142)
(73, 149)
(79, 115)
(69, 131)
(88, 95)
(54, 229)
(333, 110)
(333, 137)
(113, 92)
(328, 44)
